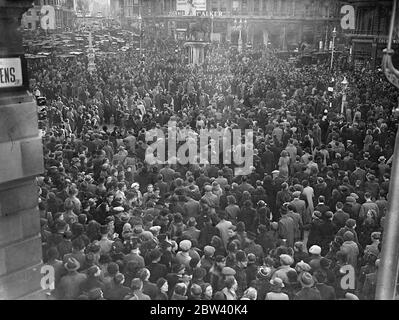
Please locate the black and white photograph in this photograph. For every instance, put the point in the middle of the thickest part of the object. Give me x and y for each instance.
(215, 152)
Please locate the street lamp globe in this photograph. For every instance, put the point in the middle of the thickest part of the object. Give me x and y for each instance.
(334, 32)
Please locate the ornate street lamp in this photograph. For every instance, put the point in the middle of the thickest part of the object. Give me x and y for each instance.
(239, 26)
(141, 32)
(345, 87)
(334, 35)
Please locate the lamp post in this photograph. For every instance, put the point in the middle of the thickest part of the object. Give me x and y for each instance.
(334, 35)
(141, 32)
(239, 26)
(212, 26)
(345, 87)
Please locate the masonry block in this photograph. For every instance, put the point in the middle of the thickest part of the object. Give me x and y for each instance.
(30, 222)
(10, 229)
(23, 254)
(37, 295)
(32, 157)
(18, 121)
(3, 269)
(19, 197)
(21, 159)
(21, 283)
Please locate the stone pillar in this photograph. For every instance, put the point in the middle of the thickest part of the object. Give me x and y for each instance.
(228, 33)
(265, 37)
(21, 159)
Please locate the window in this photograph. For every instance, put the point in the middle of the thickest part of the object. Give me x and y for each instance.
(223, 5)
(244, 6)
(29, 25)
(215, 5)
(264, 7)
(275, 5)
(256, 6)
(28, 13)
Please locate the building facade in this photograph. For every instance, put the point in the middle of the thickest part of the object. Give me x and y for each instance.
(64, 14)
(370, 36)
(282, 24)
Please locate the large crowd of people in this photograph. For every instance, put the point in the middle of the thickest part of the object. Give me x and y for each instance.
(311, 211)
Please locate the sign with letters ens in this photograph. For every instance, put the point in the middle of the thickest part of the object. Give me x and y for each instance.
(10, 73)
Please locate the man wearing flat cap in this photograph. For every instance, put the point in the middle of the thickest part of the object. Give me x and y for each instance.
(285, 266)
(70, 284)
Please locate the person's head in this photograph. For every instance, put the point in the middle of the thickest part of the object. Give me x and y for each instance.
(320, 276)
(207, 290)
(163, 285)
(241, 258)
(119, 278)
(220, 261)
(180, 289)
(277, 284)
(195, 291)
(231, 283)
(322, 199)
(144, 274)
(299, 246)
(339, 205)
(136, 285)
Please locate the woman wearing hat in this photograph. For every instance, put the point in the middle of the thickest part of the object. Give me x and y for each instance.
(276, 290)
(230, 288)
(308, 292)
(163, 288)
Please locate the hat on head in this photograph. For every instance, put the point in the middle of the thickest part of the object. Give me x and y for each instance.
(354, 195)
(195, 290)
(155, 229)
(376, 235)
(220, 258)
(209, 251)
(297, 194)
(227, 271)
(185, 245)
(118, 209)
(251, 258)
(286, 259)
(350, 199)
(328, 214)
(324, 262)
(317, 214)
(315, 250)
(302, 266)
(72, 264)
(199, 273)
(382, 158)
(92, 270)
(351, 296)
(306, 279)
(348, 236)
(350, 223)
(264, 272)
(241, 256)
(277, 282)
